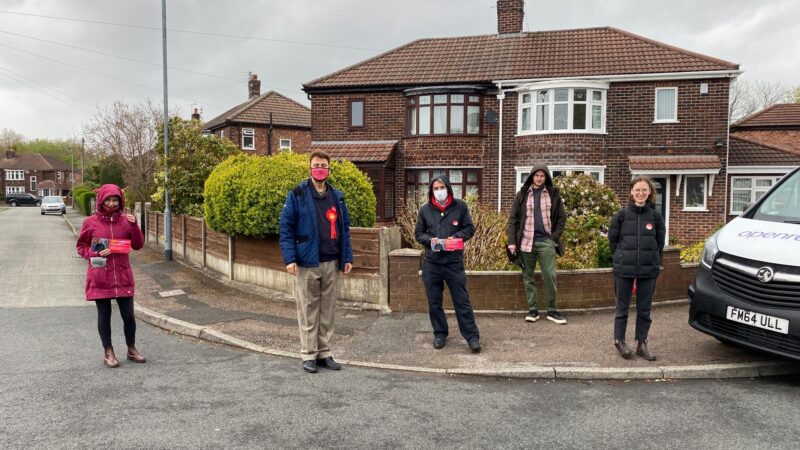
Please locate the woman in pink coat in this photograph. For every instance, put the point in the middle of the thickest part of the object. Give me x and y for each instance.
(105, 240)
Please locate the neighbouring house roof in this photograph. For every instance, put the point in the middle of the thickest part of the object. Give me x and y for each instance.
(544, 54)
(285, 112)
(782, 115)
(750, 152)
(33, 161)
(356, 151)
(674, 162)
(786, 140)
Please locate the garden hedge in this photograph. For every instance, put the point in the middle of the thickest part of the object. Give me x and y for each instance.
(244, 195)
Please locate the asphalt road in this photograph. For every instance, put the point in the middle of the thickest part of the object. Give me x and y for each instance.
(55, 392)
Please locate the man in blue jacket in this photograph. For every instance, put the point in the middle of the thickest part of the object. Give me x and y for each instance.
(315, 244)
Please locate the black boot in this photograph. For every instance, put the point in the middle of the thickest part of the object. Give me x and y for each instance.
(623, 349)
(644, 352)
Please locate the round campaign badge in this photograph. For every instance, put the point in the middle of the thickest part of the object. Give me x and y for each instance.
(649, 226)
(455, 223)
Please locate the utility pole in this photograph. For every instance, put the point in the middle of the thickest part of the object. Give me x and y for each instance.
(167, 212)
(83, 157)
(72, 175)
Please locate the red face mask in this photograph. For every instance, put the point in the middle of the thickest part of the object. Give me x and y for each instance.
(320, 173)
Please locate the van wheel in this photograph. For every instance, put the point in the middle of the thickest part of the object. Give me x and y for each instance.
(42, 212)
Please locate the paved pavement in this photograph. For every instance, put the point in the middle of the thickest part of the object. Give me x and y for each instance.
(262, 320)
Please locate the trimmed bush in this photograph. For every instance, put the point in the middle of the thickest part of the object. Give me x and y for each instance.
(691, 253)
(244, 195)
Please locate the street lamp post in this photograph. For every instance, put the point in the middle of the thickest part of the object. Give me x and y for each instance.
(167, 212)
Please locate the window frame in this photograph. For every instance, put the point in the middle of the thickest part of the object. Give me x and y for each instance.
(675, 105)
(363, 113)
(15, 190)
(15, 174)
(550, 87)
(249, 132)
(466, 171)
(33, 183)
(519, 170)
(412, 103)
(283, 148)
(753, 189)
(702, 208)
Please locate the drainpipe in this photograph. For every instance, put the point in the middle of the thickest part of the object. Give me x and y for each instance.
(500, 96)
(727, 156)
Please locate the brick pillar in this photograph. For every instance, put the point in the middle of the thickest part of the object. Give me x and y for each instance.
(406, 290)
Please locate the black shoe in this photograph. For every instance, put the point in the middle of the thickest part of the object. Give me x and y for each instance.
(644, 352)
(475, 345)
(438, 342)
(329, 363)
(556, 317)
(533, 316)
(310, 366)
(623, 349)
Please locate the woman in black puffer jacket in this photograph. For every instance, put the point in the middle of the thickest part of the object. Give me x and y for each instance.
(636, 237)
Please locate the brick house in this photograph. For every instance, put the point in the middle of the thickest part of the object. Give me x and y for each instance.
(484, 109)
(763, 147)
(265, 124)
(34, 173)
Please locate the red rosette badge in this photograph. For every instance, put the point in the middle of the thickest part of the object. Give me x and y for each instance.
(332, 215)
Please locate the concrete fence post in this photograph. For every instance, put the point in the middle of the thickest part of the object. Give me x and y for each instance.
(183, 235)
(203, 240)
(230, 257)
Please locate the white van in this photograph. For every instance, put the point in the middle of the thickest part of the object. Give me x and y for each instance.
(747, 288)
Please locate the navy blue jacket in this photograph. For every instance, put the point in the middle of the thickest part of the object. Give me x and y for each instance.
(299, 235)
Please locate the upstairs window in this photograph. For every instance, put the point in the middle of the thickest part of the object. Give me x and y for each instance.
(357, 113)
(443, 114)
(666, 105)
(15, 175)
(248, 139)
(549, 108)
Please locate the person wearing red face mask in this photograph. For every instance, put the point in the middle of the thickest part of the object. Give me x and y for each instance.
(104, 240)
(315, 244)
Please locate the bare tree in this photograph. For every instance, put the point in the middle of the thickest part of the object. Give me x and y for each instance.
(130, 133)
(9, 139)
(794, 95)
(747, 97)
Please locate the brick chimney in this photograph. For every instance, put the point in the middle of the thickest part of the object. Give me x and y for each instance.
(254, 86)
(11, 154)
(510, 14)
(195, 114)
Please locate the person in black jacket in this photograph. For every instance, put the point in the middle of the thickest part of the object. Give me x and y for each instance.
(535, 224)
(440, 222)
(636, 236)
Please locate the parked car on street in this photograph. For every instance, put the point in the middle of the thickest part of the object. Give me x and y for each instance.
(53, 204)
(23, 199)
(747, 288)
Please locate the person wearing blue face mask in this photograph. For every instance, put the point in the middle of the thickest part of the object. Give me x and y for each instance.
(443, 225)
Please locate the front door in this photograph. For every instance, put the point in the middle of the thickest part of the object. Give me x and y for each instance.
(662, 199)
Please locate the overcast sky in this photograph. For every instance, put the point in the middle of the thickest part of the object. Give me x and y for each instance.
(49, 90)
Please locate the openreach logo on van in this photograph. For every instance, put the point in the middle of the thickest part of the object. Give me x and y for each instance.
(769, 235)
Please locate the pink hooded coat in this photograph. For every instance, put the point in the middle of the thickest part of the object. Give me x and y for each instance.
(116, 279)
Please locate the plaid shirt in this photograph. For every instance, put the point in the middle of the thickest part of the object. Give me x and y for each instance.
(528, 229)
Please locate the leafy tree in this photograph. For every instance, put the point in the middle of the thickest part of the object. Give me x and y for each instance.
(65, 150)
(192, 157)
(794, 95)
(105, 170)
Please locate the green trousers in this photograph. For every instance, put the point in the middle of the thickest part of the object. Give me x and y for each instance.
(545, 253)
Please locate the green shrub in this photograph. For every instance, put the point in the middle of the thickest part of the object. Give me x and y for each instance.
(85, 202)
(604, 256)
(589, 206)
(244, 195)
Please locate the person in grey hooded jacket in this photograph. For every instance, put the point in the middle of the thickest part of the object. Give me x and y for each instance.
(440, 223)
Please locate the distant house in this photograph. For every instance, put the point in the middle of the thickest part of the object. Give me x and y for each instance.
(265, 124)
(35, 174)
(484, 109)
(763, 147)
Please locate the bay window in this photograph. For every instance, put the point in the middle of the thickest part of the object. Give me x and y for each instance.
(557, 108)
(443, 114)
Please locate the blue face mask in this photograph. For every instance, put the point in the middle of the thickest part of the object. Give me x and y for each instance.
(440, 195)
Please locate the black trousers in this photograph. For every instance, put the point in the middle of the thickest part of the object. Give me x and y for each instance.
(434, 276)
(104, 320)
(644, 300)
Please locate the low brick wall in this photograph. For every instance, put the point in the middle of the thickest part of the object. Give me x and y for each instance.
(503, 290)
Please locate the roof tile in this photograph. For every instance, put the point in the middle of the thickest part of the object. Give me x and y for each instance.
(781, 115)
(285, 112)
(674, 162)
(356, 151)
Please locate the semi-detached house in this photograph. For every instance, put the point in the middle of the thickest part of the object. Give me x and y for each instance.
(484, 109)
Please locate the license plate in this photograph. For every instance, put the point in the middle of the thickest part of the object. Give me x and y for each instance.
(758, 320)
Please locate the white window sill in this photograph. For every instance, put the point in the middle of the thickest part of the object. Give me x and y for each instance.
(246, 148)
(539, 133)
(695, 209)
(666, 121)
